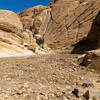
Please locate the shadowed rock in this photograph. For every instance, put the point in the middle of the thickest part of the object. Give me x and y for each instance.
(92, 41)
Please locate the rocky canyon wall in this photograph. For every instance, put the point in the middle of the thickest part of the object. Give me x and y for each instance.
(72, 25)
(65, 24)
(72, 21)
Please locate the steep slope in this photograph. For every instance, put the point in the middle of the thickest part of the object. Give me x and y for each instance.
(64, 23)
(27, 16)
(36, 19)
(15, 40)
(71, 21)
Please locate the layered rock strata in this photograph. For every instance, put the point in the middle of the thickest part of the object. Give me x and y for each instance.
(65, 24)
(14, 39)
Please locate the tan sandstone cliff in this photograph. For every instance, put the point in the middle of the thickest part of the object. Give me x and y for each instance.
(71, 21)
(64, 23)
(10, 30)
(14, 39)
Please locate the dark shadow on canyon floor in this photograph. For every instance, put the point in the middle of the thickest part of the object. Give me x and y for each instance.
(92, 41)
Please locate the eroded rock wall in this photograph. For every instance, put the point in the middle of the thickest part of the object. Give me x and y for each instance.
(11, 43)
(36, 20)
(16, 39)
(65, 24)
(71, 21)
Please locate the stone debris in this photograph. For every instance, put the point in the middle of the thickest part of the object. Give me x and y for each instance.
(87, 84)
(87, 95)
(64, 39)
(77, 93)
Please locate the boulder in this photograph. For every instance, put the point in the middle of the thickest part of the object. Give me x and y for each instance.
(11, 45)
(92, 59)
(10, 22)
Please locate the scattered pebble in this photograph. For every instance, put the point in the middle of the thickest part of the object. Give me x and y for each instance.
(87, 84)
(77, 93)
(86, 95)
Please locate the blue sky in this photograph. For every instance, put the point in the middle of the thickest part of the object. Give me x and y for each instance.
(19, 5)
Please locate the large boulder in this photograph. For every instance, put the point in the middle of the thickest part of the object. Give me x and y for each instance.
(11, 40)
(92, 59)
(10, 22)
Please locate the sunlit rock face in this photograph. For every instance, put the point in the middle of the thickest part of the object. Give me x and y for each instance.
(65, 24)
(10, 22)
(72, 21)
(16, 40)
(11, 44)
(36, 20)
(27, 16)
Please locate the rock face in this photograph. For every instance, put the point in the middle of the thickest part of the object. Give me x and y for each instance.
(36, 20)
(57, 35)
(10, 22)
(92, 59)
(65, 23)
(71, 21)
(16, 40)
(11, 44)
(27, 16)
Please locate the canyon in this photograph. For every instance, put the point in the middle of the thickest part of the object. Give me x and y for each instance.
(51, 52)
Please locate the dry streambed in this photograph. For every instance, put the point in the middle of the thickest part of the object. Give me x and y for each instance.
(48, 77)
